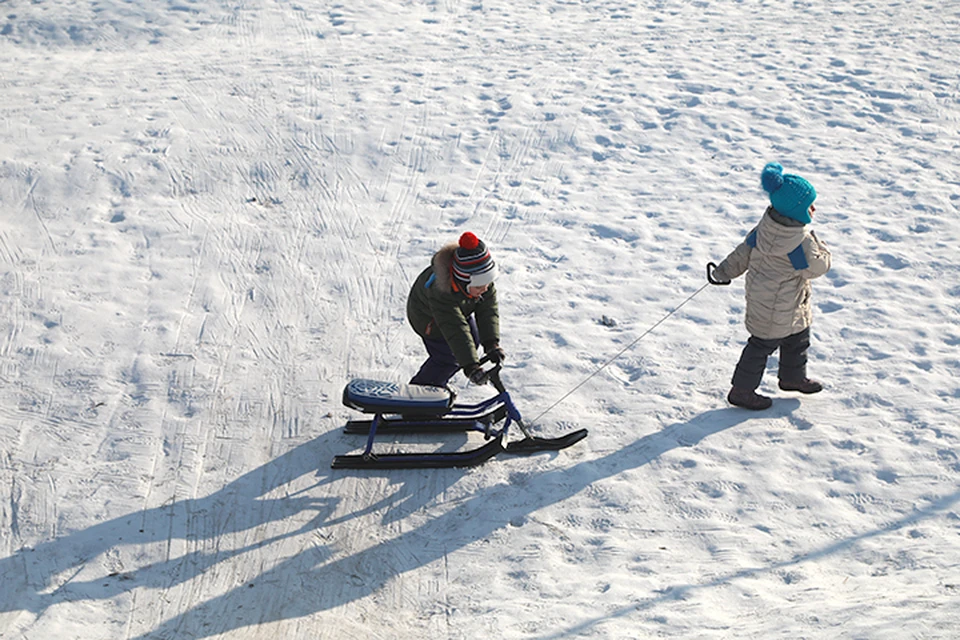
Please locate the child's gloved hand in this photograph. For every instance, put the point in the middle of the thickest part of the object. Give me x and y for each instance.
(494, 353)
(476, 374)
(712, 275)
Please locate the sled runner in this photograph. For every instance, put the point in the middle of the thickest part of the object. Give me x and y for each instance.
(404, 408)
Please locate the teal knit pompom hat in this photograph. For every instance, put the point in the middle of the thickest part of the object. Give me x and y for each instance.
(790, 195)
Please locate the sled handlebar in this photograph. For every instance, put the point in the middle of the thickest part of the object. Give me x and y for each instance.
(494, 377)
(493, 374)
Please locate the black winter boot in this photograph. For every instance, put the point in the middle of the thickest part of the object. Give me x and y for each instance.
(803, 386)
(748, 399)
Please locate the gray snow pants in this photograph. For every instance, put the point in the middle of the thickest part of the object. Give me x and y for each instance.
(753, 360)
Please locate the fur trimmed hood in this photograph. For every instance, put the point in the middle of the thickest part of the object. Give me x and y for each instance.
(442, 263)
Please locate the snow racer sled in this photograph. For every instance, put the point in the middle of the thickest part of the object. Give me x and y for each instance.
(406, 408)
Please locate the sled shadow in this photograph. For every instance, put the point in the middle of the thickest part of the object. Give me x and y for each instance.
(324, 585)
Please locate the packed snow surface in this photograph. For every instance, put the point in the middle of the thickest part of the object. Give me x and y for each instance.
(212, 212)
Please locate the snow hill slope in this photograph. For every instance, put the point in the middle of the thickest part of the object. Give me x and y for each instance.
(212, 211)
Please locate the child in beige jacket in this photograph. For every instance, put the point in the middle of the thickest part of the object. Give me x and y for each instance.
(780, 256)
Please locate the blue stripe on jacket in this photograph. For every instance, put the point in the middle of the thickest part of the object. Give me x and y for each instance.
(798, 258)
(752, 239)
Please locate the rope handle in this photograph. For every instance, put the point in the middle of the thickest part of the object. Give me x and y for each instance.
(711, 267)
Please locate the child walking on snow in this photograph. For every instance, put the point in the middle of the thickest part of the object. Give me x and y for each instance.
(780, 256)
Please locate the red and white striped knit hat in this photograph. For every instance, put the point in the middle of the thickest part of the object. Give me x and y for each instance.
(472, 264)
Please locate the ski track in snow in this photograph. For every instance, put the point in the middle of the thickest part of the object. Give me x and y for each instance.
(212, 213)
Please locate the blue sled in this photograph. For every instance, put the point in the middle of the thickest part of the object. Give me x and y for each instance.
(404, 408)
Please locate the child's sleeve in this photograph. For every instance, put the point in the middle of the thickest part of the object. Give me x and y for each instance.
(488, 317)
(735, 264)
(454, 327)
(816, 256)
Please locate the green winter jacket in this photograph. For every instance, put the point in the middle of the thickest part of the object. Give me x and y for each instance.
(780, 257)
(437, 311)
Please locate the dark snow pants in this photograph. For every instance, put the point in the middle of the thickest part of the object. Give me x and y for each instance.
(441, 364)
(753, 360)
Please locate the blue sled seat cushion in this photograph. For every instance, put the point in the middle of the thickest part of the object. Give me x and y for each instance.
(377, 396)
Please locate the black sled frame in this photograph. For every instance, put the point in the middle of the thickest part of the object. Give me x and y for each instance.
(482, 417)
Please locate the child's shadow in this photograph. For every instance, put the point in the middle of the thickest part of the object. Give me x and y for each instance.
(36, 578)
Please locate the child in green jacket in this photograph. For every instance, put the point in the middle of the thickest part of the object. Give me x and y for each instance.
(453, 308)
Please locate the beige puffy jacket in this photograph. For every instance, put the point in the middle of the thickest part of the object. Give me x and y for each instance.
(779, 258)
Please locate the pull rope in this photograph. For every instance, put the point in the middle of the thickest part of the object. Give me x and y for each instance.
(618, 354)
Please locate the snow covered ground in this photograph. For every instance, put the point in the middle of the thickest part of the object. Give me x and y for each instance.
(211, 212)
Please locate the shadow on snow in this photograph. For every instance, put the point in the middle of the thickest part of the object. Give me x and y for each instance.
(323, 585)
(310, 582)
